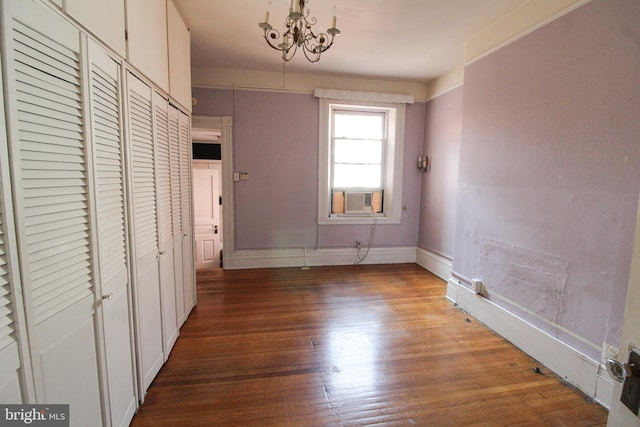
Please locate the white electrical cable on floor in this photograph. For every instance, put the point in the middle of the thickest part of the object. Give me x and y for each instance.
(360, 258)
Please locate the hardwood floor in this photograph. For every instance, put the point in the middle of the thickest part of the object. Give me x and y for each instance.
(345, 346)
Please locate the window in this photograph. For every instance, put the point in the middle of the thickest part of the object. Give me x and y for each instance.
(360, 152)
(357, 143)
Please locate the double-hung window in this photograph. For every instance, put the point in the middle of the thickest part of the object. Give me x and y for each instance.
(358, 142)
(360, 152)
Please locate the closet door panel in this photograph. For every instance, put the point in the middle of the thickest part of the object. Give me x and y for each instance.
(50, 178)
(144, 231)
(188, 244)
(165, 229)
(176, 211)
(106, 125)
(12, 323)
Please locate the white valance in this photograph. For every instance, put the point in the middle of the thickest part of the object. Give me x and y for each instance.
(350, 95)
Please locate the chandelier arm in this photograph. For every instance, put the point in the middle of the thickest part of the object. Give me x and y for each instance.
(285, 53)
(275, 35)
(314, 59)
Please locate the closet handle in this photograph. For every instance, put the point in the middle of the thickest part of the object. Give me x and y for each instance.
(108, 296)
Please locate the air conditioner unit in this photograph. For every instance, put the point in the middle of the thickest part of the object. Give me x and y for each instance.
(358, 202)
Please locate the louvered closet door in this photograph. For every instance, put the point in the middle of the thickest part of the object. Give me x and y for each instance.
(106, 122)
(10, 387)
(49, 165)
(188, 244)
(145, 231)
(11, 308)
(176, 212)
(165, 226)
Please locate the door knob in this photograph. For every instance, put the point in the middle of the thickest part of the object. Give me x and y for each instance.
(628, 374)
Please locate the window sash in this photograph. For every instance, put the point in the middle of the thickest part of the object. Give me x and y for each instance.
(349, 170)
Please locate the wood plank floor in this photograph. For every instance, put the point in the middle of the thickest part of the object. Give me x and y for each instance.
(347, 346)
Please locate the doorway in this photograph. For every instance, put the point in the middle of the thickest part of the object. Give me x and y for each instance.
(211, 142)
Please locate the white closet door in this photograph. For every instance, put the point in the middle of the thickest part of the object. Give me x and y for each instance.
(10, 365)
(106, 122)
(165, 233)
(50, 178)
(12, 324)
(144, 232)
(176, 212)
(188, 244)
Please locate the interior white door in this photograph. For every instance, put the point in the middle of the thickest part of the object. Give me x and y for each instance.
(619, 414)
(206, 208)
(145, 232)
(47, 136)
(108, 159)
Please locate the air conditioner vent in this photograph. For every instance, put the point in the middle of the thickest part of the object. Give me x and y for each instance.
(358, 202)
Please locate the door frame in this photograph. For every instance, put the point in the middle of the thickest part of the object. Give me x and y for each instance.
(620, 415)
(200, 125)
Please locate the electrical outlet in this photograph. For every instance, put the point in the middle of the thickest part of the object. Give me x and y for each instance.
(609, 351)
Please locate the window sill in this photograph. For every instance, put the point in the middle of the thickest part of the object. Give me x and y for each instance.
(355, 220)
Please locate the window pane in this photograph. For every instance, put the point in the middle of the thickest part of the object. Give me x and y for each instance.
(362, 126)
(357, 151)
(365, 176)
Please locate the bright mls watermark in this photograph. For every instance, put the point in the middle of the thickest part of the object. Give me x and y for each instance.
(34, 415)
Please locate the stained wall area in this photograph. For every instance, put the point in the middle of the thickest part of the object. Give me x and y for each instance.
(549, 173)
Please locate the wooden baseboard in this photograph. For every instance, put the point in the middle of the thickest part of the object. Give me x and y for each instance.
(437, 264)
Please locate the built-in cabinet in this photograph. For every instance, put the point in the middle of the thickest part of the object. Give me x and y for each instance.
(146, 22)
(105, 19)
(96, 245)
(179, 57)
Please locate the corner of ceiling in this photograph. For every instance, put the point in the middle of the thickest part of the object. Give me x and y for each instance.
(519, 22)
(445, 82)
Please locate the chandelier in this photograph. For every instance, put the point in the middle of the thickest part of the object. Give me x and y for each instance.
(299, 33)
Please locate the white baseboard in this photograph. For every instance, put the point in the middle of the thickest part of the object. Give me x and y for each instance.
(316, 257)
(437, 264)
(588, 375)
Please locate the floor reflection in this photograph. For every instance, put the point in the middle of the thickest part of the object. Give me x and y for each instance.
(352, 353)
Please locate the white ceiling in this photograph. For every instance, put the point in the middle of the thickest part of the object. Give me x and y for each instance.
(405, 40)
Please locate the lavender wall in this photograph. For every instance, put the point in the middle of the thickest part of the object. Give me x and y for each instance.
(550, 173)
(276, 142)
(443, 128)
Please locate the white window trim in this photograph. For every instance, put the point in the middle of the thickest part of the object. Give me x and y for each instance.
(394, 155)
